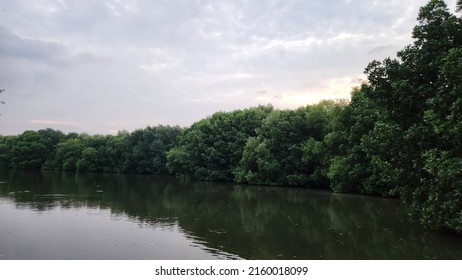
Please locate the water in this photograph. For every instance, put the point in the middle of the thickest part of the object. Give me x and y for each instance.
(51, 215)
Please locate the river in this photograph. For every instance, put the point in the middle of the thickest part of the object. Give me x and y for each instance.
(56, 215)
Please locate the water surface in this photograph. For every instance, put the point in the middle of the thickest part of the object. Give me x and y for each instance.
(52, 215)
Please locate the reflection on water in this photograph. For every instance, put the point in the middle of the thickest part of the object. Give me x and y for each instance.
(109, 216)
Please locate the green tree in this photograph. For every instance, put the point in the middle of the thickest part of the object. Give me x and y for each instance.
(148, 149)
(93, 157)
(350, 164)
(6, 149)
(68, 153)
(411, 146)
(116, 152)
(51, 138)
(211, 148)
(28, 151)
(288, 148)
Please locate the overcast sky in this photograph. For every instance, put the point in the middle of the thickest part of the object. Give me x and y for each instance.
(103, 66)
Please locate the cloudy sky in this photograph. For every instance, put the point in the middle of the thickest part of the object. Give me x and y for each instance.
(103, 66)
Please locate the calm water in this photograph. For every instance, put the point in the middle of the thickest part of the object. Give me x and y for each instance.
(49, 215)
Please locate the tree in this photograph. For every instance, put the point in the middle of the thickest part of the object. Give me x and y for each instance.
(211, 148)
(148, 149)
(51, 138)
(68, 153)
(288, 148)
(350, 163)
(28, 151)
(116, 150)
(2, 91)
(6, 149)
(412, 146)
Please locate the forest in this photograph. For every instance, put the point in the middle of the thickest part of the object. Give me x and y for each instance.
(399, 136)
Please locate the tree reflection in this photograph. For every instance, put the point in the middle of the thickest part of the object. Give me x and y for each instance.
(247, 221)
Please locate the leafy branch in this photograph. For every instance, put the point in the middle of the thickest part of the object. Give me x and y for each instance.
(1, 101)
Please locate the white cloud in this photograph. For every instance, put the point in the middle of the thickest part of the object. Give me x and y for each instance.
(334, 89)
(237, 76)
(139, 62)
(54, 122)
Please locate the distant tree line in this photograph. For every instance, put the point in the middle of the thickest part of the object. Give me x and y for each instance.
(142, 151)
(400, 136)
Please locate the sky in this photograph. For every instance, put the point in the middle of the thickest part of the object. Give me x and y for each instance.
(104, 66)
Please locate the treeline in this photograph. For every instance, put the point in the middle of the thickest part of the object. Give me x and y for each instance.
(142, 151)
(260, 145)
(399, 136)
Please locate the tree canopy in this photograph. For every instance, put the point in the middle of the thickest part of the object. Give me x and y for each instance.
(403, 128)
(142, 151)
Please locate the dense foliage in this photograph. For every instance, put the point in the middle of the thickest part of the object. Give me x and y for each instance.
(288, 148)
(403, 129)
(142, 151)
(211, 148)
(401, 136)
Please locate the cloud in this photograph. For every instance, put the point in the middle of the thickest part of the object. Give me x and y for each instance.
(334, 89)
(380, 50)
(16, 47)
(111, 65)
(91, 58)
(54, 122)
